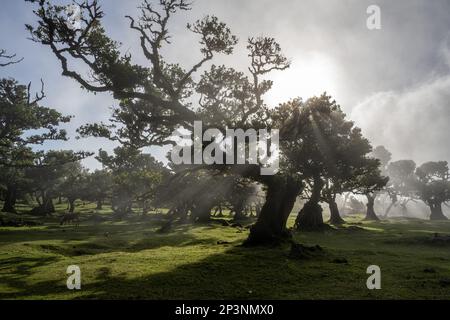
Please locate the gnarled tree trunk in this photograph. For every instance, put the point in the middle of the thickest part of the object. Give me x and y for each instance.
(44, 208)
(47, 205)
(270, 227)
(335, 217)
(404, 208)
(436, 211)
(238, 209)
(71, 204)
(122, 204)
(394, 200)
(344, 204)
(310, 216)
(370, 214)
(201, 212)
(99, 205)
(10, 199)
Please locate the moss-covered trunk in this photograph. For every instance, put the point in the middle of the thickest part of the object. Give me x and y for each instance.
(71, 205)
(201, 211)
(271, 224)
(10, 199)
(310, 216)
(370, 213)
(436, 211)
(335, 217)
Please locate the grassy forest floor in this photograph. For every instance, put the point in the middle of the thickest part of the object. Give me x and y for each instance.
(131, 260)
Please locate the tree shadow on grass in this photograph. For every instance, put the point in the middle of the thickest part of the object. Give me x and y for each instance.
(14, 272)
(87, 240)
(119, 245)
(239, 273)
(236, 273)
(70, 232)
(93, 232)
(25, 266)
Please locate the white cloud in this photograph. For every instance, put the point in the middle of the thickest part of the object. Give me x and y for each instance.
(413, 123)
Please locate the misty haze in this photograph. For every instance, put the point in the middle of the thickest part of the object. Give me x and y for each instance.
(119, 180)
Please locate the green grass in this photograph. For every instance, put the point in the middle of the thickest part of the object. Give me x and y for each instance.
(131, 260)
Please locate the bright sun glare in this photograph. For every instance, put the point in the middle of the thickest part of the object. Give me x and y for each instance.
(307, 76)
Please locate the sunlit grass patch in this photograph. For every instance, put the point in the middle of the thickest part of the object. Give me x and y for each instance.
(130, 259)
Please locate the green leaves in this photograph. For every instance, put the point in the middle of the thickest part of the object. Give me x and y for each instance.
(266, 55)
(215, 36)
(318, 140)
(24, 122)
(433, 184)
(134, 175)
